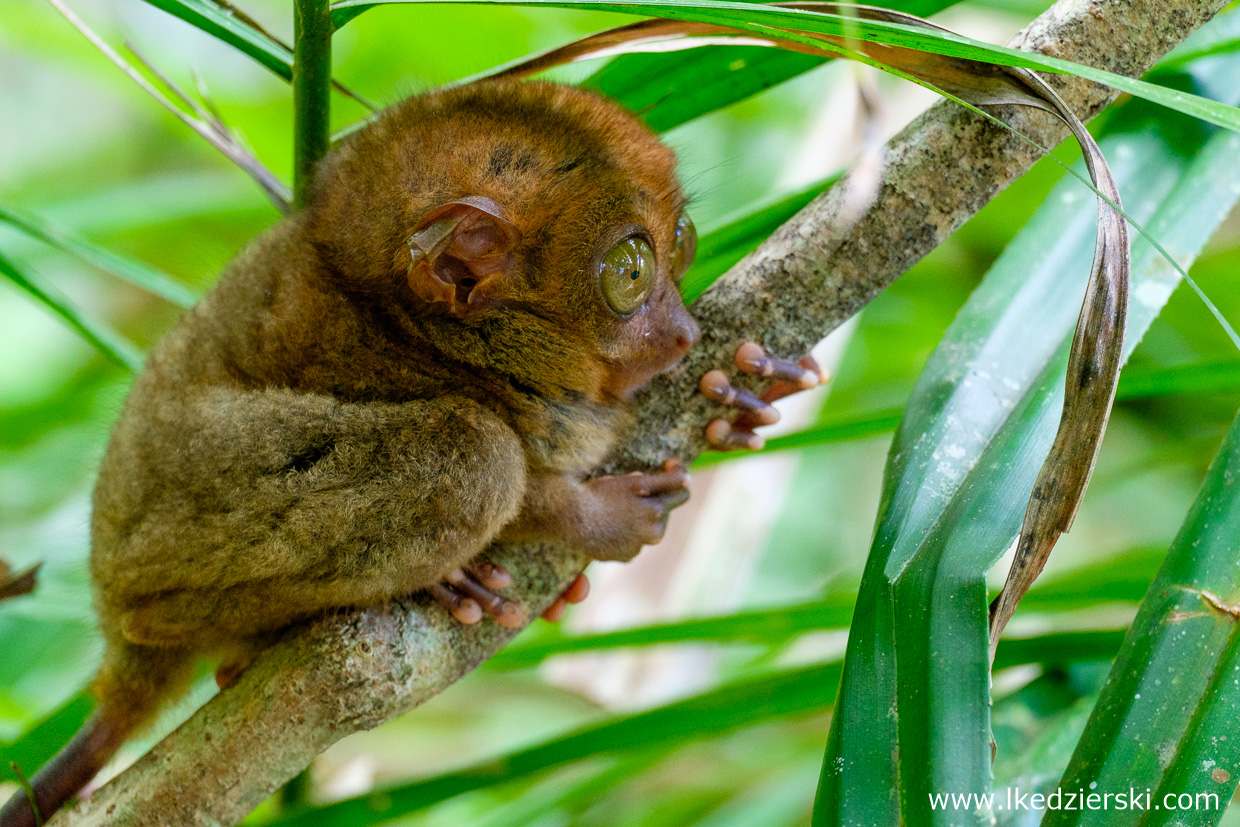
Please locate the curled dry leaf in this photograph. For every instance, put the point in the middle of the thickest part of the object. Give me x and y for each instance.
(14, 585)
(1096, 354)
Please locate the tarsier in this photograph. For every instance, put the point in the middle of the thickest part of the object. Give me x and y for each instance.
(434, 355)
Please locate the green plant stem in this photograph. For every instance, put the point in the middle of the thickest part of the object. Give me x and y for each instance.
(312, 77)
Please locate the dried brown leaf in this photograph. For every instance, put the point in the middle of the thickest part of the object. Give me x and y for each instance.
(15, 585)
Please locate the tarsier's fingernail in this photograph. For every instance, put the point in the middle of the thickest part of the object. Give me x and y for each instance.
(494, 577)
(717, 432)
(510, 615)
(468, 611)
(578, 591)
(751, 358)
(716, 387)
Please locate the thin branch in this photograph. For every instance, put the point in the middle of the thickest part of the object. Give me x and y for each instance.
(224, 141)
(355, 670)
(312, 74)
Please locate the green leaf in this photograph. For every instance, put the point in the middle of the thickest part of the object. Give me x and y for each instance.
(961, 469)
(220, 24)
(1167, 717)
(1211, 377)
(1115, 580)
(668, 90)
(127, 269)
(105, 340)
(45, 739)
(761, 19)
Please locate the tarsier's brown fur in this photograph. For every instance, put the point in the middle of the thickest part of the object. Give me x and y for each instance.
(315, 433)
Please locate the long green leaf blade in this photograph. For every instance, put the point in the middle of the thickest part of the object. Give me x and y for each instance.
(217, 22)
(770, 697)
(130, 270)
(1166, 719)
(762, 19)
(105, 340)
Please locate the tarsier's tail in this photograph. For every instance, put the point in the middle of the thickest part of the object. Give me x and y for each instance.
(132, 686)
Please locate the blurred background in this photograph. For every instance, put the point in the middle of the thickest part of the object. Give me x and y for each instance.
(82, 148)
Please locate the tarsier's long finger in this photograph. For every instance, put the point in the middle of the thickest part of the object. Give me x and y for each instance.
(717, 387)
(665, 482)
(752, 359)
(490, 575)
(722, 436)
(779, 390)
(506, 613)
(576, 592)
(462, 608)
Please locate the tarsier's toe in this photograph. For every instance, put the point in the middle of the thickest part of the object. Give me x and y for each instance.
(576, 592)
(469, 582)
(717, 387)
(721, 435)
(463, 609)
(752, 359)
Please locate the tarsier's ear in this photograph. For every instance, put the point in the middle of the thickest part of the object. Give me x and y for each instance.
(462, 252)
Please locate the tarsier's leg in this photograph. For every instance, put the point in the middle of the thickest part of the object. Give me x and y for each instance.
(280, 505)
(755, 411)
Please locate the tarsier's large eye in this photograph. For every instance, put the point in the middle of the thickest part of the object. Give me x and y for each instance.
(684, 247)
(627, 275)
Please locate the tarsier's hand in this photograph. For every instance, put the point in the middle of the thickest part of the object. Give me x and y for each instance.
(791, 377)
(631, 510)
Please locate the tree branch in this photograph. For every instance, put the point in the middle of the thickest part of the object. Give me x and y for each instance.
(357, 669)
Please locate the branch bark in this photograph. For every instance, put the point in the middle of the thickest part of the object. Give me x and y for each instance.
(357, 669)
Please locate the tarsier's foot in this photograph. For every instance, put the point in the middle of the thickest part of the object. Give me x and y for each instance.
(468, 592)
(791, 377)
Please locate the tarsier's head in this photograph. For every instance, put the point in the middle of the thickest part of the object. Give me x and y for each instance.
(537, 223)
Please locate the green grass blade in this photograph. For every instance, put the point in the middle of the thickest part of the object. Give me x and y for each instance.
(1205, 377)
(670, 89)
(105, 340)
(761, 19)
(1115, 580)
(217, 22)
(1167, 717)
(130, 270)
(961, 470)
